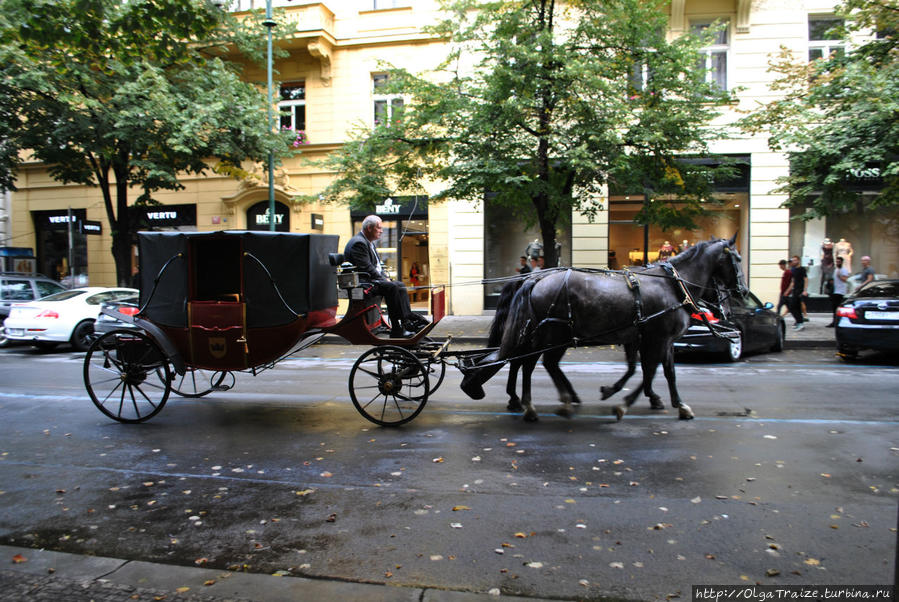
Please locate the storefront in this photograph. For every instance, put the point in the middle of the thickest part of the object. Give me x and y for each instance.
(161, 218)
(726, 215)
(864, 231)
(61, 245)
(508, 236)
(403, 247)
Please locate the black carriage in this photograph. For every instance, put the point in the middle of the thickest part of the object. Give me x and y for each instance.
(214, 304)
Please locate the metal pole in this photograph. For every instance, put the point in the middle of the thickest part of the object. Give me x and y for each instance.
(71, 249)
(269, 24)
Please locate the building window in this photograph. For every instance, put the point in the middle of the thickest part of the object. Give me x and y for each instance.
(821, 41)
(292, 106)
(387, 107)
(382, 4)
(714, 56)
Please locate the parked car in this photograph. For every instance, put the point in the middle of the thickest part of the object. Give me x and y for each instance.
(869, 319)
(66, 316)
(744, 324)
(126, 306)
(16, 287)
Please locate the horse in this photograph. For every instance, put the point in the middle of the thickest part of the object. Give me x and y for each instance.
(644, 310)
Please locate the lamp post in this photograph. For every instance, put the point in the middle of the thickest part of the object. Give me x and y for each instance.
(269, 24)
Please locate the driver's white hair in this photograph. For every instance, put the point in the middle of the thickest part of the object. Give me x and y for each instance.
(370, 222)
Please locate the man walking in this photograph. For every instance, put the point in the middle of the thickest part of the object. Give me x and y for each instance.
(797, 291)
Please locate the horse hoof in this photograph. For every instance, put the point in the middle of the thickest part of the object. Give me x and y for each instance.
(685, 413)
(656, 405)
(607, 392)
(530, 416)
(514, 406)
(619, 412)
(564, 412)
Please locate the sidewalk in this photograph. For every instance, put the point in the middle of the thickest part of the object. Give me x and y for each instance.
(474, 329)
(44, 576)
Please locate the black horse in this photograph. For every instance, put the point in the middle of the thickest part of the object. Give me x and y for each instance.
(644, 310)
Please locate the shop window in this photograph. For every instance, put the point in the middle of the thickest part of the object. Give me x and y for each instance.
(292, 106)
(822, 42)
(714, 57)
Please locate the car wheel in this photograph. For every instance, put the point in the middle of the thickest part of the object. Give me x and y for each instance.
(3, 340)
(735, 348)
(779, 338)
(82, 335)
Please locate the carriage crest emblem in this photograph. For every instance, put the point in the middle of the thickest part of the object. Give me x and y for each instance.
(218, 347)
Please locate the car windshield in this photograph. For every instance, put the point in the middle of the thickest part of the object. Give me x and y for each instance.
(880, 289)
(63, 295)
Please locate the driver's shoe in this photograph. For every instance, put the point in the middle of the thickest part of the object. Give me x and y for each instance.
(398, 332)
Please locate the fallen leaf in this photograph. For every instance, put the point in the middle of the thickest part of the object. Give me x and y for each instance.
(772, 573)
(437, 460)
(825, 475)
(326, 475)
(388, 574)
(182, 590)
(616, 565)
(209, 582)
(201, 561)
(813, 562)
(331, 518)
(19, 559)
(520, 535)
(457, 508)
(305, 492)
(535, 565)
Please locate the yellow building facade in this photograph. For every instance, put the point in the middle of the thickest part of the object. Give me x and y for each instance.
(329, 84)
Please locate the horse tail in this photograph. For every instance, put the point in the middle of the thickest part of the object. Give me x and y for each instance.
(521, 315)
(497, 327)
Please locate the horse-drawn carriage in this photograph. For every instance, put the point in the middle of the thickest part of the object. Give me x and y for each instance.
(214, 304)
(219, 303)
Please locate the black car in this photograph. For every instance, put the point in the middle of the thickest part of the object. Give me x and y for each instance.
(107, 323)
(869, 319)
(741, 324)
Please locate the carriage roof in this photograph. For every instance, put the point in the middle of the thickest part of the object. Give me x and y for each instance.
(276, 274)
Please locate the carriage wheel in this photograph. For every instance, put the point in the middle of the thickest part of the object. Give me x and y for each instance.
(127, 375)
(388, 385)
(436, 371)
(197, 382)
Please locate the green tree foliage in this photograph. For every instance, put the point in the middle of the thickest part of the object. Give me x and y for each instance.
(838, 117)
(119, 94)
(540, 104)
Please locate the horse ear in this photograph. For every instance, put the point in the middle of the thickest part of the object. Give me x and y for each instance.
(733, 240)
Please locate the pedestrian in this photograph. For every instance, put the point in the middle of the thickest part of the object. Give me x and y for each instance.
(535, 264)
(840, 284)
(360, 251)
(797, 291)
(785, 278)
(867, 273)
(525, 268)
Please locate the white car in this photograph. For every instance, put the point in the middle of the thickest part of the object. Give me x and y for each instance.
(67, 316)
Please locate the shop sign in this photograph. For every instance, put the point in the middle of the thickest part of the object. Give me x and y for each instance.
(403, 207)
(318, 221)
(58, 220)
(259, 217)
(167, 216)
(91, 227)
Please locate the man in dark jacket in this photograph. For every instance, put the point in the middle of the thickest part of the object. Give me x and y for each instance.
(360, 251)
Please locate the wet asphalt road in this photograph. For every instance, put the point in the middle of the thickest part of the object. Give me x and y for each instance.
(789, 475)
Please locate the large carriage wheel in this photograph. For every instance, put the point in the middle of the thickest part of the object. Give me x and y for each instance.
(127, 375)
(197, 382)
(388, 385)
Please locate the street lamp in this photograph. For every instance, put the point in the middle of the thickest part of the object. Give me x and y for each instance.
(269, 24)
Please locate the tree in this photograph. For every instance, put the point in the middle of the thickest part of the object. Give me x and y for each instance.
(838, 116)
(540, 105)
(120, 94)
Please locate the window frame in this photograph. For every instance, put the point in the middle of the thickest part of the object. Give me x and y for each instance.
(709, 53)
(289, 107)
(827, 46)
(389, 101)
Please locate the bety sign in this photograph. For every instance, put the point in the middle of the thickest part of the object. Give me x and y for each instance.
(262, 219)
(388, 208)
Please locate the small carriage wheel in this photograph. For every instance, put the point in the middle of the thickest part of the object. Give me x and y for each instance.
(127, 375)
(388, 385)
(436, 371)
(197, 382)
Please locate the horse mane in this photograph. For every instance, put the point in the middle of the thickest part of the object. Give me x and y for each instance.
(503, 305)
(520, 312)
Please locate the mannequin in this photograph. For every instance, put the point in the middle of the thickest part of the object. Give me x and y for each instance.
(826, 266)
(666, 251)
(843, 248)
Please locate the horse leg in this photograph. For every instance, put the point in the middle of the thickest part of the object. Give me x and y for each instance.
(514, 404)
(566, 392)
(528, 364)
(683, 410)
(649, 362)
(630, 352)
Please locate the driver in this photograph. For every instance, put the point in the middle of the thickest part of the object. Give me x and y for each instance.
(360, 251)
